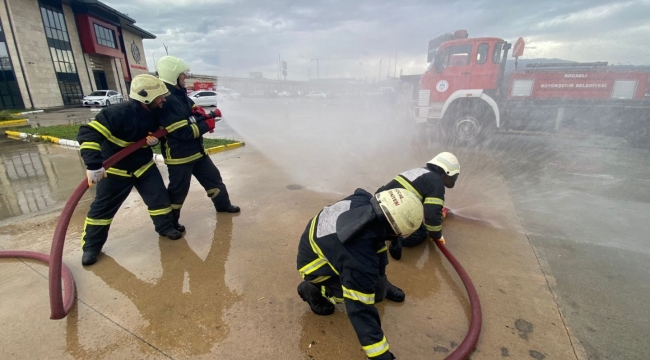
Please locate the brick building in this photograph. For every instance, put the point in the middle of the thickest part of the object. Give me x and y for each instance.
(52, 52)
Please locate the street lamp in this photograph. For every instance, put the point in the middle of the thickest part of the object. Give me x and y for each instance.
(154, 60)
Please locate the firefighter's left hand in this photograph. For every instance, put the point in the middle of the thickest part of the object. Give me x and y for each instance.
(198, 111)
(152, 140)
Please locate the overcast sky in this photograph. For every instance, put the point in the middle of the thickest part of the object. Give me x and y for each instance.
(228, 37)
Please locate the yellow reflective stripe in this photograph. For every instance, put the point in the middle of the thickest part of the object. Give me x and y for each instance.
(118, 172)
(176, 206)
(90, 146)
(382, 249)
(158, 212)
(377, 349)
(144, 168)
(408, 186)
(177, 125)
(434, 201)
(195, 130)
(184, 160)
(107, 134)
(358, 296)
(311, 267)
(169, 152)
(314, 246)
(98, 222)
(194, 105)
(333, 299)
(433, 228)
(212, 193)
(319, 279)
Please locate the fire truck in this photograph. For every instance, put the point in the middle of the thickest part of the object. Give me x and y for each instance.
(467, 92)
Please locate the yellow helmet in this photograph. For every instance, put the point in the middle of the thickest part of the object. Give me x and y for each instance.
(447, 162)
(402, 209)
(145, 88)
(170, 68)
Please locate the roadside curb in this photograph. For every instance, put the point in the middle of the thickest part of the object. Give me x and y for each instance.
(74, 144)
(12, 123)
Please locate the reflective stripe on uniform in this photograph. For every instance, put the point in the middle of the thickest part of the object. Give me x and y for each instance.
(170, 161)
(333, 299)
(98, 222)
(176, 206)
(314, 246)
(195, 130)
(382, 249)
(118, 172)
(107, 134)
(90, 146)
(358, 296)
(142, 170)
(319, 279)
(177, 125)
(376, 349)
(434, 201)
(159, 212)
(311, 267)
(212, 193)
(408, 186)
(433, 228)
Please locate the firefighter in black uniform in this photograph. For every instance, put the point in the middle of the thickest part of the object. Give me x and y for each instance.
(342, 259)
(183, 147)
(428, 184)
(113, 129)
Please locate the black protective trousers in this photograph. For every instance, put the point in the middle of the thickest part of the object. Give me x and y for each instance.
(204, 170)
(111, 193)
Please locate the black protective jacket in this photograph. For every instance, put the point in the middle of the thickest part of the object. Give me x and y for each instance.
(359, 260)
(426, 183)
(184, 143)
(113, 129)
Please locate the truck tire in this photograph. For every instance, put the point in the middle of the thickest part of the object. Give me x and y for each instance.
(467, 123)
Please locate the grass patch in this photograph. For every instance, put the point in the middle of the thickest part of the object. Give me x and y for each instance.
(69, 132)
(8, 115)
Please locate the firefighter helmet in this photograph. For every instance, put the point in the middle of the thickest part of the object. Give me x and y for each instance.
(146, 88)
(170, 68)
(402, 209)
(449, 165)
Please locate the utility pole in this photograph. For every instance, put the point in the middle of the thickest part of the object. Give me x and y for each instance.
(317, 68)
(395, 71)
(379, 77)
(279, 62)
(388, 69)
(166, 52)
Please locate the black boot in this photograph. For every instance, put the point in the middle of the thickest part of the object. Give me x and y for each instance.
(89, 257)
(319, 305)
(179, 227)
(395, 248)
(172, 234)
(230, 209)
(393, 293)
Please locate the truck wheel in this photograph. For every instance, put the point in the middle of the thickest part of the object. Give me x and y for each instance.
(467, 124)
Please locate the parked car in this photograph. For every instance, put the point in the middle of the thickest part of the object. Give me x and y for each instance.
(317, 95)
(204, 98)
(256, 94)
(103, 98)
(284, 94)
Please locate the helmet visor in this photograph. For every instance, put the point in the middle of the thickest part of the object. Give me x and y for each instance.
(450, 181)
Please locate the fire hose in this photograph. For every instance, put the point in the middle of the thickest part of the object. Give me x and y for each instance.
(60, 306)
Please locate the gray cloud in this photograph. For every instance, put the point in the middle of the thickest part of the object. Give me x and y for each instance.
(224, 37)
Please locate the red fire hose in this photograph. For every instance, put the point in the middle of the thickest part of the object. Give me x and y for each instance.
(59, 306)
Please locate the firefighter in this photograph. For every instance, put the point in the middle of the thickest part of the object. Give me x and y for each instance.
(113, 129)
(182, 148)
(342, 259)
(428, 184)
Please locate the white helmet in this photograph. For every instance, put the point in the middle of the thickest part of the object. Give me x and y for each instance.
(447, 162)
(145, 88)
(170, 68)
(402, 209)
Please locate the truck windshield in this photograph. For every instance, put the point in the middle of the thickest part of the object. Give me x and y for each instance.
(455, 55)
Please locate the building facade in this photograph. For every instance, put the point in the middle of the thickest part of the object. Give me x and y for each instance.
(53, 52)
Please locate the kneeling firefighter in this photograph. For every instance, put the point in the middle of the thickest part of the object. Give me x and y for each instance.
(182, 148)
(342, 259)
(113, 129)
(428, 184)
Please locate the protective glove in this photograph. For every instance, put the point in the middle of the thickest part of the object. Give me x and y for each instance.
(152, 140)
(210, 123)
(94, 176)
(444, 212)
(198, 111)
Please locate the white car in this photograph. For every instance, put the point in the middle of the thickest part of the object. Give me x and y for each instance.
(317, 95)
(103, 98)
(284, 94)
(204, 98)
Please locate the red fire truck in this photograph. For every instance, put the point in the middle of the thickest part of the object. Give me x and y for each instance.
(466, 91)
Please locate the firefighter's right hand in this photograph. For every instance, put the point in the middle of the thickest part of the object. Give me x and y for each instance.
(95, 176)
(210, 123)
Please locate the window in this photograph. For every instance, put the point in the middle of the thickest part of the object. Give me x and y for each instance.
(457, 55)
(105, 36)
(482, 53)
(58, 41)
(10, 97)
(496, 54)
